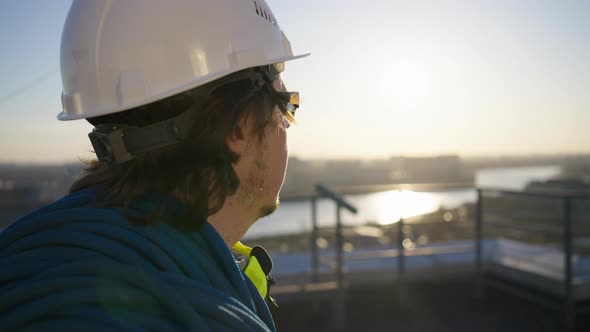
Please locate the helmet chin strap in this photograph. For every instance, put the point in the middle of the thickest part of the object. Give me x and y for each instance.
(119, 143)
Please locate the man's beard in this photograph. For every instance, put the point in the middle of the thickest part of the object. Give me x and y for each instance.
(252, 190)
(268, 209)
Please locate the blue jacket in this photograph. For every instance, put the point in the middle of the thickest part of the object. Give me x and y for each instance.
(71, 266)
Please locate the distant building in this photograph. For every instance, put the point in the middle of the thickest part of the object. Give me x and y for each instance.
(15, 196)
(304, 174)
(427, 169)
(16, 202)
(561, 186)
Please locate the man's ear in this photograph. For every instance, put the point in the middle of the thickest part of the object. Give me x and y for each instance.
(236, 141)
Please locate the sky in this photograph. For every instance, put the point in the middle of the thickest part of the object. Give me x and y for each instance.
(385, 78)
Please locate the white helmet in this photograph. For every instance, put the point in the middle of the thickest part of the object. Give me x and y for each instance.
(118, 55)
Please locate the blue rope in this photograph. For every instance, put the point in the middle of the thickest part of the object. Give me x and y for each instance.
(66, 267)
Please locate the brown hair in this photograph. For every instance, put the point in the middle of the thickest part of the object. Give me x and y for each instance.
(198, 171)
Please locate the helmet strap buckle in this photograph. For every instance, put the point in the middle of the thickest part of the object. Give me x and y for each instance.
(108, 144)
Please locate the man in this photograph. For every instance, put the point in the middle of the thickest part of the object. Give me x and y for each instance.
(190, 116)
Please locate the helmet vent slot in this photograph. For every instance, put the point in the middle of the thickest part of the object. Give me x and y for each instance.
(264, 13)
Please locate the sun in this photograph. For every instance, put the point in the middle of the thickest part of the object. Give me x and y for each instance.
(405, 86)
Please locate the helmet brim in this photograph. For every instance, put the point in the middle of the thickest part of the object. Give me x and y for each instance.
(63, 116)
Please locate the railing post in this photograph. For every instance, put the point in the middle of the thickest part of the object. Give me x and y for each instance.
(339, 257)
(478, 242)
(570, 314)
(339, 308)
(401, 258)
(314, 239)
(339, 303)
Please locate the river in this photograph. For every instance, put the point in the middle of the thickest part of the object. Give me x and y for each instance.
(388, 206)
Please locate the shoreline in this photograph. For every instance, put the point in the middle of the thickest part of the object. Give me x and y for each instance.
(374, 188)
(421, 230)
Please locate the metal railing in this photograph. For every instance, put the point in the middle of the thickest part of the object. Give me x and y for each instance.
(399, 250)
(323, 191)
(564, 229)
(339, 305)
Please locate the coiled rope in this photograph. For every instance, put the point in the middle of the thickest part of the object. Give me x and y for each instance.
(70, 267)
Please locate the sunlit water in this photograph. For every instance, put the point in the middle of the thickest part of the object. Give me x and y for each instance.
(389, 206)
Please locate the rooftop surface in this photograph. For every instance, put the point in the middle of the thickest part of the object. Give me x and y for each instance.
(443, 304)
